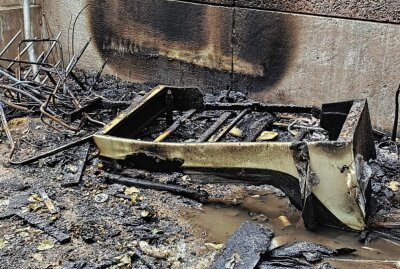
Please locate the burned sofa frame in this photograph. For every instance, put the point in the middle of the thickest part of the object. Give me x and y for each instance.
(323, 179)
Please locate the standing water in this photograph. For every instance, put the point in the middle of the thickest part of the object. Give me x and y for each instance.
(218, 222)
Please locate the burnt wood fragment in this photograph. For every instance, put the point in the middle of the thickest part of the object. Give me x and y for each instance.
(199, 195)
(244, 248)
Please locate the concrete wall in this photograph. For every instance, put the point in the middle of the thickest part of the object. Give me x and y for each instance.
(305, 52)
(11, 3)
(377, 10)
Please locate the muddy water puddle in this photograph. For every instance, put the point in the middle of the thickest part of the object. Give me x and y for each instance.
(216, 223)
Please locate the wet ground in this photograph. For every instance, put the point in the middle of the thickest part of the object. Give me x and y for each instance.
(217, 223)
(112, 226)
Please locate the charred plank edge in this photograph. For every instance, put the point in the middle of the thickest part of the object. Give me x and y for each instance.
(174, 126)
(169, 107)
(198, 195)
(260, 107)
(43, 225)
(226, 129)
(259, 129)
(52, 152)
(89, 107)
(248, 242)
(205, 136)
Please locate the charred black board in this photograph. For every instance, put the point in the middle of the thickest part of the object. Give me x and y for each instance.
(196, 194)
(244, 247)
(43, 225)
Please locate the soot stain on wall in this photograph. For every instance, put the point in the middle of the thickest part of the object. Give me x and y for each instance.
(182, 43)
(269, 41)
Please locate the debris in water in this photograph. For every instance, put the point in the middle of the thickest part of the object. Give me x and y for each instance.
(310, 251)
(284, 264)
(249, 246)
(284, 222)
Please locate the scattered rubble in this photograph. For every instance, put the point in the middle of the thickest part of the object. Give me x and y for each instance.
(61, 206)
(249, 247)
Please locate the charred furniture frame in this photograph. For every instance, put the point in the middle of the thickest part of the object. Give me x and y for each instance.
(323, 179)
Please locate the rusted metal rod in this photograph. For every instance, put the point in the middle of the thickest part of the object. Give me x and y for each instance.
(5, 125)
(19, 55)
(22, 92)
(97, 77)
(15, 106)
(215, 127)
(227, 128)
(76, 59)
(52, 46)
(51, 152)
(10, 43)
(7, 75)
(77, 80)
(387, 224)
(47, 77)
(175, 126)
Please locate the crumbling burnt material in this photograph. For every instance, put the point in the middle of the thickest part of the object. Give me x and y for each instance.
(243, 250)
(317, 151)
(14, 209)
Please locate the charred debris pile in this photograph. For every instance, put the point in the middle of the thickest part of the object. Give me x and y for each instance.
(76, 131)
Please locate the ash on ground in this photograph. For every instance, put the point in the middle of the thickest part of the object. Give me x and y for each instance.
(113, 226)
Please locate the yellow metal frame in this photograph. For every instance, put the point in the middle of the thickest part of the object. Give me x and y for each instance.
(337, 190)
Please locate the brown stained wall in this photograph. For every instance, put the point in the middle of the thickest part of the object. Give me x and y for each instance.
(10, 3)
(11, 21)
(274, 56)
(193, 43)
(165, 42)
